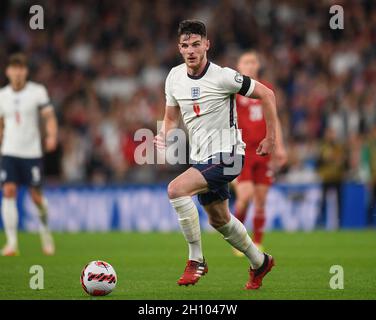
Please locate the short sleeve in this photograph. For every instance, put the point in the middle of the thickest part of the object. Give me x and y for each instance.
(170, 100)
(234, 82)
(43, 98)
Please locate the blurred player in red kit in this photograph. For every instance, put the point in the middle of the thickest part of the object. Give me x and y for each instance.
(257, 175)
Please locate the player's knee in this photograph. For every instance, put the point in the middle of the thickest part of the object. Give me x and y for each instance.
(9, 190)
(174, 190)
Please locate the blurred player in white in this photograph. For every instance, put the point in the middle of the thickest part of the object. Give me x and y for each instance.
(22, 103)
(203, 93)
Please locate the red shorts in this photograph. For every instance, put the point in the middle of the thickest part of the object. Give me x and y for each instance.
(256, 169)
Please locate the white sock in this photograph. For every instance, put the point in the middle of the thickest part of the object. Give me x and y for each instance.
(10, 220)
(190, 225)
(236, 234)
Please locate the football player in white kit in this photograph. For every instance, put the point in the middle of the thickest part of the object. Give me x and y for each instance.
(204, 94)
(22, 102)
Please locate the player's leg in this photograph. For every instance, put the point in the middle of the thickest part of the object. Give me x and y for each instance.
(180, 192)
(235, 233)
(9, 212)
(10, 218)
(263, 178)
(259, 200)
(244, 188)
(40, 202)
(32, 177)
(244, 192)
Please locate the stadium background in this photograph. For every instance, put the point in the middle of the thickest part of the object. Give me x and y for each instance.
(104, 64)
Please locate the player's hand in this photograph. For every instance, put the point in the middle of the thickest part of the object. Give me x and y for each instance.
(280, 157)
(159, 142)
(50, 143)
(265, 147)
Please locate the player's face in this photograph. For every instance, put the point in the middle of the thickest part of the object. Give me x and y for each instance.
(17, 74)
(249, 65)
(193, 48)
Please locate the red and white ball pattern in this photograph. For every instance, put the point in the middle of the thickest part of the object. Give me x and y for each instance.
(98, 278)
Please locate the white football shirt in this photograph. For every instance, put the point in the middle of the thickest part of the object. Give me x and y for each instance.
(208, 107)
(20, 111)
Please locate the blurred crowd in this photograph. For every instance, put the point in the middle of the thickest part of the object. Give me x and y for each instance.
(104, 64)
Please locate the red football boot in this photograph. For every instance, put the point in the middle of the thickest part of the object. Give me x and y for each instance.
(256, 276)
(193, 272)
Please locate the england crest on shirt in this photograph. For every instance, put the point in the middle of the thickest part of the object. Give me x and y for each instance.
(195, 92)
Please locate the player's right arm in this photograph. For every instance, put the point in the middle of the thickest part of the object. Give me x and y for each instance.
(172, 114)
(170, 122)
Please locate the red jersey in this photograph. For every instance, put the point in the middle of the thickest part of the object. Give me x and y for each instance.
(251, 119)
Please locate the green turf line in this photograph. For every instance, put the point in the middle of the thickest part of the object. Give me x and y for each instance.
(148, 265)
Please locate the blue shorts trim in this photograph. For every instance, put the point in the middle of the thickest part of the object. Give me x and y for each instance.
(218, 172)
(21, 171)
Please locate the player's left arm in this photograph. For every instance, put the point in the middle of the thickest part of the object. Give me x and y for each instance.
(280, 153)
(233, 82)
(1, 122)
(1, 129)
(268, 102)
(51, 128)
(49, 119)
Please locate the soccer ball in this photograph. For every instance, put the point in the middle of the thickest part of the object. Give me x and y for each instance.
(98, 278)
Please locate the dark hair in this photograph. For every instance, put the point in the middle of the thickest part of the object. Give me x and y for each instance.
(18, 59)
(189, 27)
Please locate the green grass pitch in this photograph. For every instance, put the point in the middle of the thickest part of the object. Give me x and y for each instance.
(148, 265)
